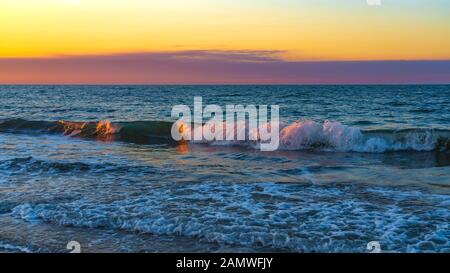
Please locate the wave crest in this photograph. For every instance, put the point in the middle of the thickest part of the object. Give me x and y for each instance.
(338, 137)
(334, 136)
(300, 135)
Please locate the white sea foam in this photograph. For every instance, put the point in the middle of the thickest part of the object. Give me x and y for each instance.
(271, 215)
(334, 136)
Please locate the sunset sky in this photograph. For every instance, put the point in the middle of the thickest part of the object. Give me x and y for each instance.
(224, 41)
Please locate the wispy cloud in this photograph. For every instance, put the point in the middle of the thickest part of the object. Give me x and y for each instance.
(215, 66)
(230, 55)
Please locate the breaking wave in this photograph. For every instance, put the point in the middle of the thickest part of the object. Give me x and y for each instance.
(300, 135)
(338, 137)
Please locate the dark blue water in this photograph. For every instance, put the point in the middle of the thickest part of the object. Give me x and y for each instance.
(374, 106)
(383, 176)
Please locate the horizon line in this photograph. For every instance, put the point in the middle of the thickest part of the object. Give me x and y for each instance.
(217, 84)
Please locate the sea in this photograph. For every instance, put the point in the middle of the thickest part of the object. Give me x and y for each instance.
(97, 165)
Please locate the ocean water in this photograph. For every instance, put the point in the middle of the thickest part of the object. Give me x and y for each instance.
(97, 165)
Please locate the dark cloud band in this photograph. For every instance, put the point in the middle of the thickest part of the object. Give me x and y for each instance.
(215, 67)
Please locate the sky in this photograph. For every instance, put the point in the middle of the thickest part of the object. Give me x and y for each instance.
(224, 41)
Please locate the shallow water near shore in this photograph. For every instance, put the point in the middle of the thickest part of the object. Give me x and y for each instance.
(137, 191)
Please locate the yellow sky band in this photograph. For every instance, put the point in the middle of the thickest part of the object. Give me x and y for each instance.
(305, 30)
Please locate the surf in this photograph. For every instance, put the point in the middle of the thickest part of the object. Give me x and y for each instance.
(330, 136)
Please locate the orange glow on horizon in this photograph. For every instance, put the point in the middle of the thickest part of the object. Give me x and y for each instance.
(304, 30)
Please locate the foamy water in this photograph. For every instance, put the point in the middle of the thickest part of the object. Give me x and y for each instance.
(334, 137)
